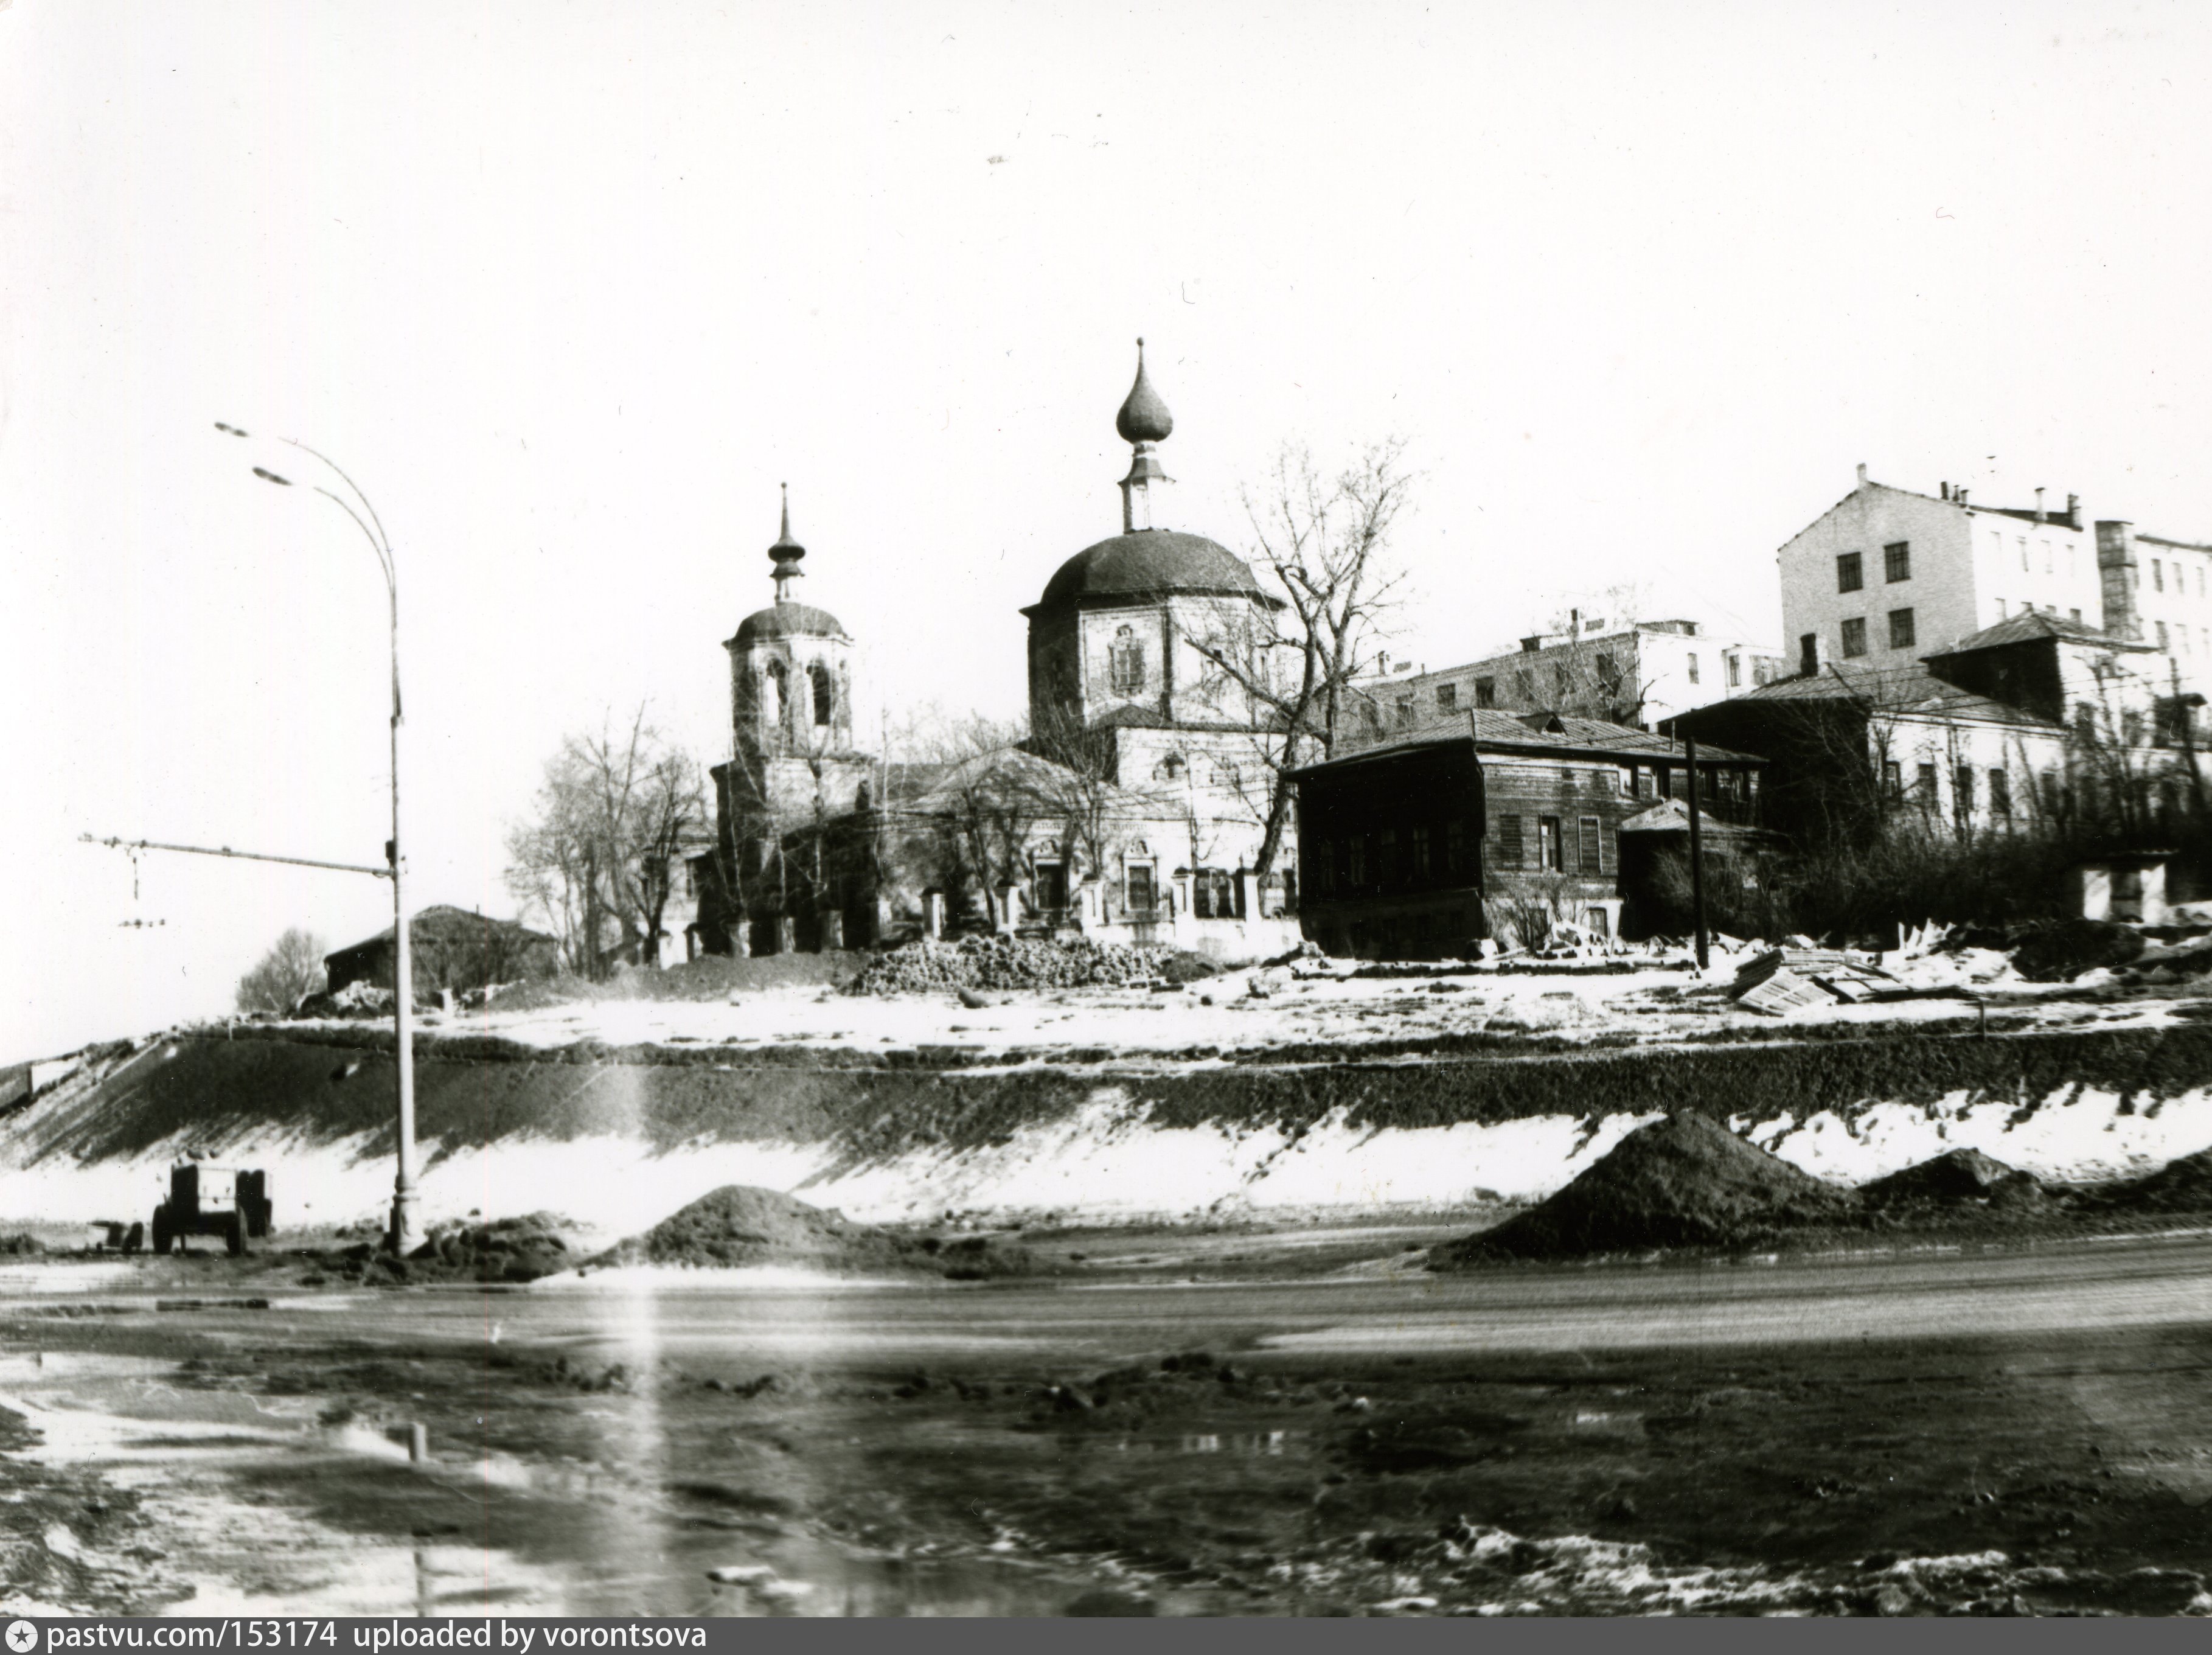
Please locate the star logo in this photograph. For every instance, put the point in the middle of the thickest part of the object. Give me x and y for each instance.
(23, 1636)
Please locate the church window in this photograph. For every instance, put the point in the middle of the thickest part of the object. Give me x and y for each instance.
(1126, 663)
(1138, 887)
(773, 695)
(825, 692)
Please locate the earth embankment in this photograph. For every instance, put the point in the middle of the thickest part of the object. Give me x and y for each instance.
(618, 1137)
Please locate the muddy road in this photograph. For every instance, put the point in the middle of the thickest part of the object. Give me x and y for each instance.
(2004, 1431)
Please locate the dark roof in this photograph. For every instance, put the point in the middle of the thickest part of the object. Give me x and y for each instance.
(1147, 563)
(1898, 690)
(440, 922)
(789, 620)
(2030, 627)
(1546, 734)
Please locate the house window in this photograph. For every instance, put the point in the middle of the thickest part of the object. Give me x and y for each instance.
(1962, 794)
(2023, 553)
(2072, 614)
(1808, 654)
(2163, 641)
(1405, 712)
(1897, 561)
(1925, 786)
(1324, 866)
(1593, 845)
(1693, 660)
(1900, 629)
(1420, 855)
(1447, 696)
(1486, 692)
(1608, 673)
(1213, 894)
(1510, 852)
(1137, 887)
(1456, 860)
(1854, 639)
(1356, 871)
(1551, 854)
(2000, 793)
(1524, 686)
(2049, 561)
(1734, 671)
(1559, 684)
(1387, 870)
(2157, 575)
(825, 692)
(1893, 782)
(1849, 577)
(2000, 609)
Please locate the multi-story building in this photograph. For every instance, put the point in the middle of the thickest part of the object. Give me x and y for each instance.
(1886, 575)
(1635, 675)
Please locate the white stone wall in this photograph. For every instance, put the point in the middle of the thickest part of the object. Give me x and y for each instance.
(2024, 754)
(1942, 592)
(2174, 588)
(2045, 567)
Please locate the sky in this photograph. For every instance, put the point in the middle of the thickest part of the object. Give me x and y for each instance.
(569, 289)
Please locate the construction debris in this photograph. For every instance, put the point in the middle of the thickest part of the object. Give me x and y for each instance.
(1001, 962)
(1782, 981)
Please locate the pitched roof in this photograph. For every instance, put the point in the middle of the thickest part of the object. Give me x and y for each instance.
(442, 921)
(1894, 689)
(1551, 735)
(2029, 627)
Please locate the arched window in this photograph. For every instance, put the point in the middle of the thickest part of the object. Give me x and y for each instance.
(1170, 768)
(1126, 663)
(774, 694)
(825, 692)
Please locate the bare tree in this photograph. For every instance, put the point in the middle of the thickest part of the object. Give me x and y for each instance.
(1325, 543)
(601, 854)
(290, 971)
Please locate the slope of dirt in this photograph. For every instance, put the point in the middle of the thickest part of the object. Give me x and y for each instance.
(1958, 1177)
(738, 1226)
(1687, 1181)
(2182, 1186)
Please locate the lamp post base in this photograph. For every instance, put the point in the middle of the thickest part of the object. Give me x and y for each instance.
(405, 1234)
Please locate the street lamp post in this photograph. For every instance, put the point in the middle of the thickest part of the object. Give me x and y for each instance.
(405, 1234)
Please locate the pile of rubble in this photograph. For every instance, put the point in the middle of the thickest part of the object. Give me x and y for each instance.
(1013, 963)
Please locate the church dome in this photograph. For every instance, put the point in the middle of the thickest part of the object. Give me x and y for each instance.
(788, 620)
(1143, 417)
(1150, 563)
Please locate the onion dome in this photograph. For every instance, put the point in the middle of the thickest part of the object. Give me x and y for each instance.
(1143, 417)
(787, 618)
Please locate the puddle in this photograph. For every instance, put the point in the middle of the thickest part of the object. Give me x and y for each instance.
(230, 1488)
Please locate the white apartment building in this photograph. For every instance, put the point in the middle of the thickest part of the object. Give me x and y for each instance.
(1886, 575)
(1636, 676)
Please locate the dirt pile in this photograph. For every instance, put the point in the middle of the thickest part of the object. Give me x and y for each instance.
(1687, 1181)
(1959, 1178)
(2182, 1186)
(1024, 962)
(506, 1249)
(2062, 951)
(738, 1227)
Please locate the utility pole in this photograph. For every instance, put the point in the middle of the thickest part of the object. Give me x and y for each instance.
(405, 1234)
(1696, 853)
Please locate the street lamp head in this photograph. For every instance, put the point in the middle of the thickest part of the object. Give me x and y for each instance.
(271, 477)
(228, 431)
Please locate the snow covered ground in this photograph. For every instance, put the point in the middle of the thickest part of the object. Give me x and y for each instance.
(1253, 1013)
